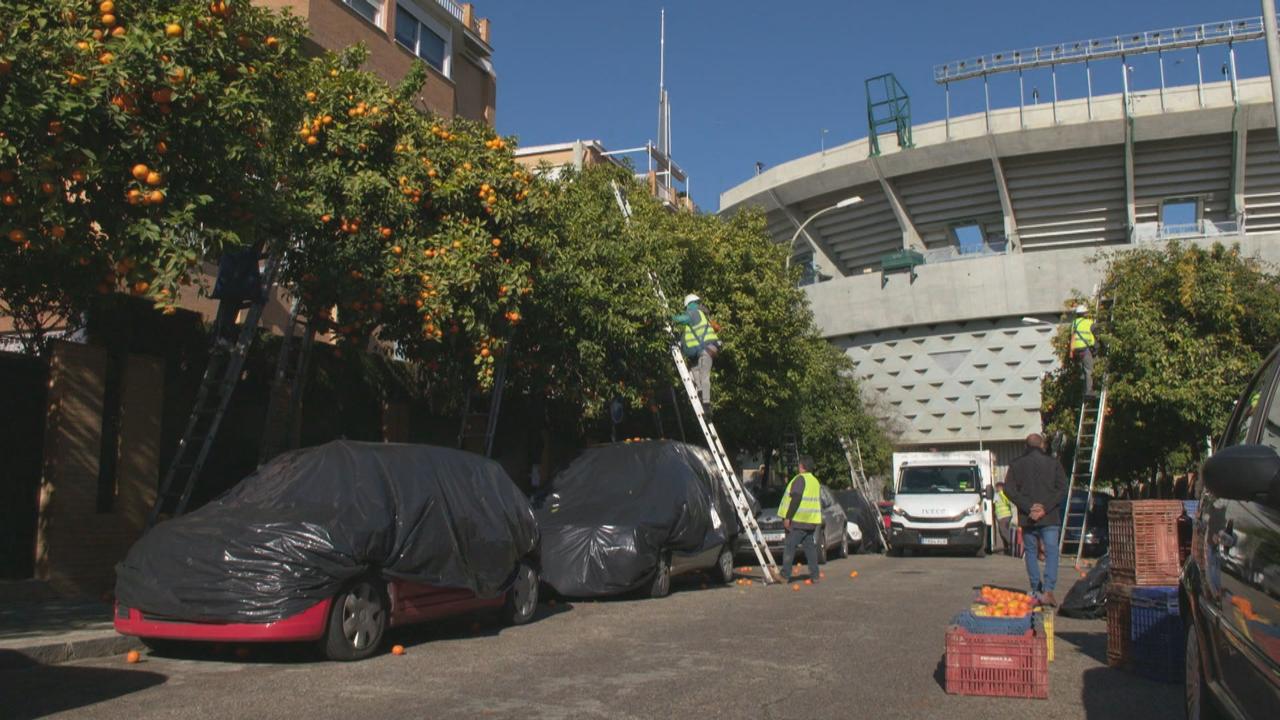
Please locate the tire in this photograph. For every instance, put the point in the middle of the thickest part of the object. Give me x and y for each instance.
(821, 542)
(522, 597)
(660, 586)
(842, 550)
(357, 622)
(1199, 704)
(723, 571)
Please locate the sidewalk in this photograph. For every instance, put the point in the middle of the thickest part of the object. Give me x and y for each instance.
(43, 632)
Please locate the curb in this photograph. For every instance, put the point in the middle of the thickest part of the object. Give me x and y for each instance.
(66, 651)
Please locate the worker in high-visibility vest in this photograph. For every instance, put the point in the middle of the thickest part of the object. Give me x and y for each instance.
(699, 341)
(801, 512)
(1083, 344)
(1004, 516)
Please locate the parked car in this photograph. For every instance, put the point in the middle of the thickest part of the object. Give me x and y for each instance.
(862, 518)
(1095, 531)
(831, 537)
(1229, 596)
(630, 516)
(334, 545)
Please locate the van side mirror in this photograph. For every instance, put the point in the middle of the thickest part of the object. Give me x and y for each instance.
(1244, 472)
(989, 492)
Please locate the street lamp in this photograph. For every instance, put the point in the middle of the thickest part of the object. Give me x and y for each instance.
(791, 247)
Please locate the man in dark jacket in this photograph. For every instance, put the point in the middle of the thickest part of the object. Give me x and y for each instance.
(1037, 485)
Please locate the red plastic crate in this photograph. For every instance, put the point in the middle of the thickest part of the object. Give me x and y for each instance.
(1119, 625)
(997, 665)
(1144, 541)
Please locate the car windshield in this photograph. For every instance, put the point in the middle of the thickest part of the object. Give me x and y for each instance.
(934, 480)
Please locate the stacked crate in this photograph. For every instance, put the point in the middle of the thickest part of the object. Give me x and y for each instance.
(1143, 628)
(997, 656)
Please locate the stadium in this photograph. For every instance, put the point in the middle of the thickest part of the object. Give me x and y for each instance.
(940, 256)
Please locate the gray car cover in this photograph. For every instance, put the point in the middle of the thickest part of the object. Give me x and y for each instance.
(617, 507)
(308, 522)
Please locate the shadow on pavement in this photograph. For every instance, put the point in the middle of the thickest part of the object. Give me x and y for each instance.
(1093, 644)
(34, 692)
(1108, 693)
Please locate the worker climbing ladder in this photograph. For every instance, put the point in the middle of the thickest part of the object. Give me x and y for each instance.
(733, 487)
(1084, 467)
(221, 375)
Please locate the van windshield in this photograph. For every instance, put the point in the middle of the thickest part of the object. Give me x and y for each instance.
(933, 480)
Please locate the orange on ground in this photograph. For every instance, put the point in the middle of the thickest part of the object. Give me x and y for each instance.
(133, 656)
(397, 649)
(796, 587)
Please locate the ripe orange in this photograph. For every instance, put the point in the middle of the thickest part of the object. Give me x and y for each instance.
(117, 31)
(106, 58)
(9, 199)
(57, 232)
(173, 30)
(397, 649)
(808, 581)
(106, 6)
(796, 587)
(155, 197)
(134, 196)
(154, 178)
(46, 187)
(140, 172)
(396, 250)
(853, 573)
(133, 657)
(496, 242)
(272, 41)
(385, 231)
(17, 236)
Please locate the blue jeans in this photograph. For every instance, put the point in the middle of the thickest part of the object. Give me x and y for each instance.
(1032, 537)
(797, 536)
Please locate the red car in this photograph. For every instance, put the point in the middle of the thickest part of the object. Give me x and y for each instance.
(348, 627)
(335, 544)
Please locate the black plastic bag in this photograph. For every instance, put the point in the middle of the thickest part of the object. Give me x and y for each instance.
(1088, 597)
(302, 526)
(618, 507)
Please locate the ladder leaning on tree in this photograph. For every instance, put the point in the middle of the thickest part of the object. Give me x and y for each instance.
(729, 480)
(1084, 466)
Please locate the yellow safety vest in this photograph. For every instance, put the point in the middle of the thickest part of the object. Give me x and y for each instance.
(698, 333)
(1082, 334)
(810, 510)
(1003, 507)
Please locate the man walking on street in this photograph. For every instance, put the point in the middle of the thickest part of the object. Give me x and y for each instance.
(1084, 345)
(1037, 486)
(700, 341)
(801, 511)
(1004, 514)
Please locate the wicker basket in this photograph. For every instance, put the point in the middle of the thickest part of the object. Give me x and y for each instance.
(1144, 541)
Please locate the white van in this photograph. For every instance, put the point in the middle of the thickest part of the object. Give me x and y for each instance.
(942, 500)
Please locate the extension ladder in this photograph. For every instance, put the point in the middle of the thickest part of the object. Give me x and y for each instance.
(862, 484)
(732, 485)
(220, 378)
(279, 434)
(1084, 466)
(483, 424)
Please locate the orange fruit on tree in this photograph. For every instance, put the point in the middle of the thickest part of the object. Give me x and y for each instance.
(9, 199)
(17, 236)
(140, 172)
(134, 196)
(106, 7)
(173, 30)
(57, 232)
(154, 178)
(385, 231)
(108, 19)
(105, 58)
(155, 197)
(117, 31)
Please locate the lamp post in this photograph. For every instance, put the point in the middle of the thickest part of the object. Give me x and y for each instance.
(791, 247)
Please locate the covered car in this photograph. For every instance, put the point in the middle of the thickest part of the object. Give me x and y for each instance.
(336, 543)
(628, 516)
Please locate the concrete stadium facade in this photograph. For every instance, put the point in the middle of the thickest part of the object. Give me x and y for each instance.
(948, 357)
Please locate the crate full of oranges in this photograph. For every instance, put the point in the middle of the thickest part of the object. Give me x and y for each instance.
(1000, 602)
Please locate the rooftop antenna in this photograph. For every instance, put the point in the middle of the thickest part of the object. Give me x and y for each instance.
(664, 104)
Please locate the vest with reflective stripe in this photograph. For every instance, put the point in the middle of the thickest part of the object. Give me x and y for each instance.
(810, 510)
(1081, 333)
(1003, 506)
(698, 333)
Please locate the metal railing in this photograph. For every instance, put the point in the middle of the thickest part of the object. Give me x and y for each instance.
(989, 248)
(1154, 232)
(454, 9)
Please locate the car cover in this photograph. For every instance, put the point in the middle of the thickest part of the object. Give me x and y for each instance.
(302, 526)
(617, 507)
(1087, 599)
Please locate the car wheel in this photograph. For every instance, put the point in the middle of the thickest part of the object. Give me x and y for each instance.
(522, 597)
(821, 542)
(357, 622)
(661, 584)
(1199, 705)
(842, 550)
(724, 566)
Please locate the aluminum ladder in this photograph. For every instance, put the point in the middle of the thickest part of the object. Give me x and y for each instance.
(280, 432)
(1084, 466)
(216, 386)
(862, 485)
(483, 425)
(732, 485)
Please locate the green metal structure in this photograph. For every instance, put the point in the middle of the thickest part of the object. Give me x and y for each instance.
(887, 105)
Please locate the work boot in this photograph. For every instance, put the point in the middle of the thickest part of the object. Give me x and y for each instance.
(1047, 598)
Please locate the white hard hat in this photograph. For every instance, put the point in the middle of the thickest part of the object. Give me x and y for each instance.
(1081, 309)
(691, 298)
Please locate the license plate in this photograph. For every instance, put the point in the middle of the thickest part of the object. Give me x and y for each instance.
(933, 541)
(774, 536)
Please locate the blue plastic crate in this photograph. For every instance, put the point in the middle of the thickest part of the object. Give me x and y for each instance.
(1155, 633)
(1191, 507)
(980, 625)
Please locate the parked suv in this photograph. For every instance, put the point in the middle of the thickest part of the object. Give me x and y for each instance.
(1230, 590)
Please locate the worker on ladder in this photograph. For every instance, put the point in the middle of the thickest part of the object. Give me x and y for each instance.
(1084, 344)
(700, 341)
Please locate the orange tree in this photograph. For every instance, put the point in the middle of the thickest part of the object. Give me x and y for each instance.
(136, 138)
(416, 230)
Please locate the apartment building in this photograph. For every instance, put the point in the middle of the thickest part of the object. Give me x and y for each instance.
(446, 35)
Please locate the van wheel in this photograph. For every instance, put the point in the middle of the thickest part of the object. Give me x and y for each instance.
(522, 598)
(357, 622)
(661, 584)
(724, 566)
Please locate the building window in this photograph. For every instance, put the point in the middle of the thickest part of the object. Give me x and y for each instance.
(423, 37)
(1180, 216)
(370, 10)
(969, 237)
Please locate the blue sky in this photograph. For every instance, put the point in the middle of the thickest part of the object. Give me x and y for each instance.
(759, 81)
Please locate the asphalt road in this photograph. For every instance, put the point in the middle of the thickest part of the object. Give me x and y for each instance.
(870, 646)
